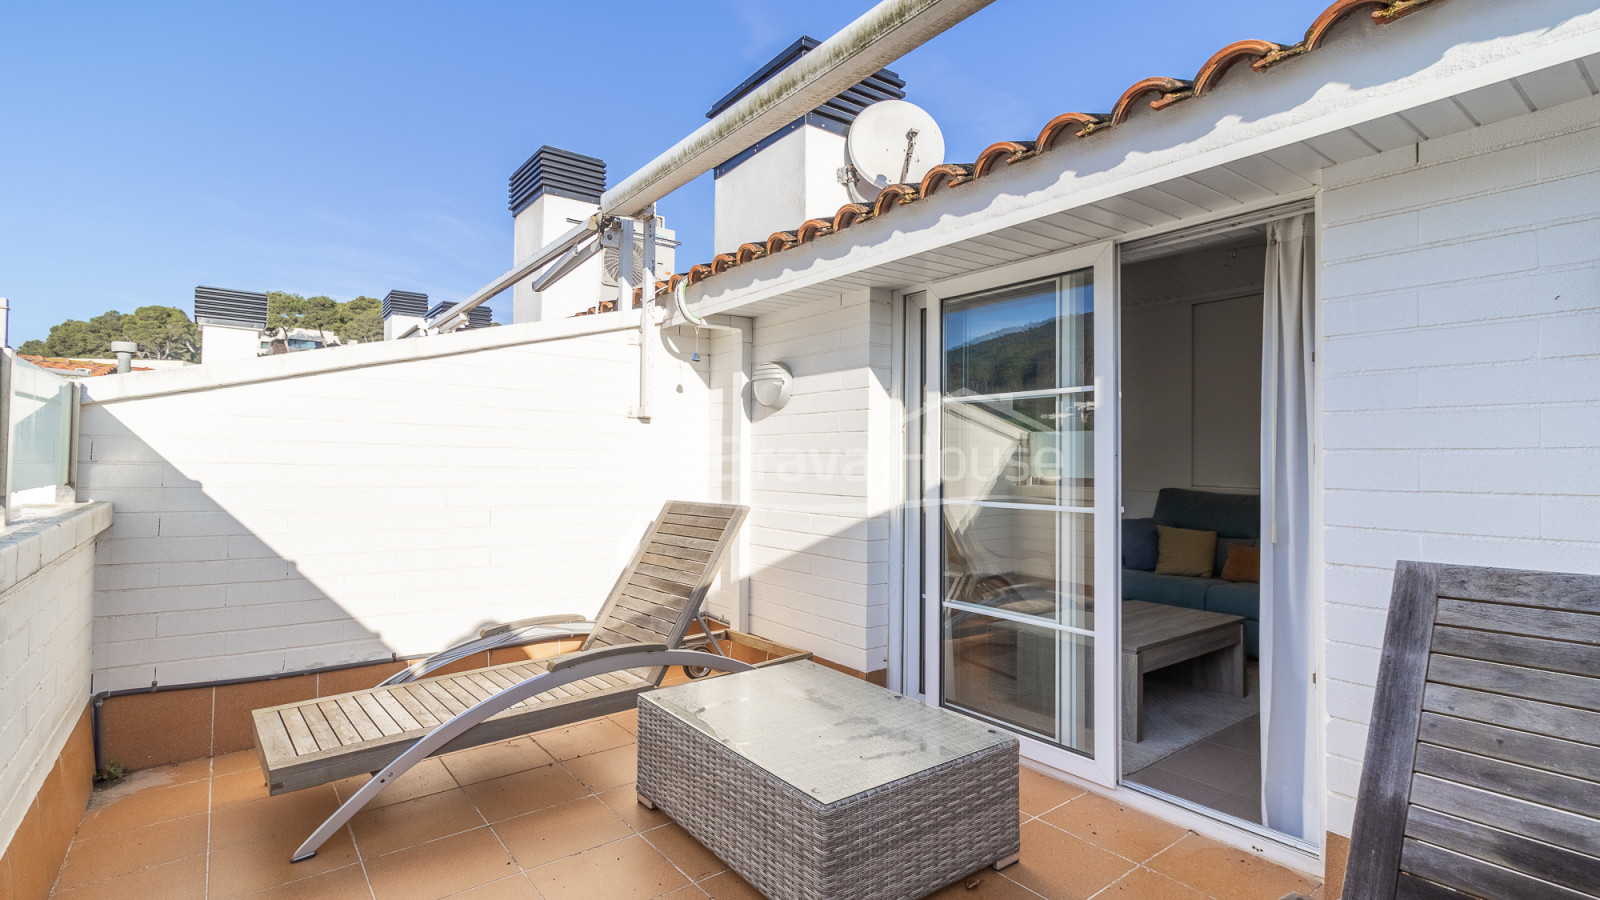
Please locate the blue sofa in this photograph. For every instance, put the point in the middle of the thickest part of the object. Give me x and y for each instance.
(1236, 518)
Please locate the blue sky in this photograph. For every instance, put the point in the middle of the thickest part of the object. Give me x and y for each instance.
(349, 148)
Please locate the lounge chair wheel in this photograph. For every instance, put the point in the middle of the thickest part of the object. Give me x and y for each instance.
(700, 671)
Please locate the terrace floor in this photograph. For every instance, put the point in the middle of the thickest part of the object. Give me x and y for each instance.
(553, 817)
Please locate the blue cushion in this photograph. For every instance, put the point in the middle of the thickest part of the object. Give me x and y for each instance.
(1239, 599)
(1229, 515)
(1139, 549)
(1173, 590)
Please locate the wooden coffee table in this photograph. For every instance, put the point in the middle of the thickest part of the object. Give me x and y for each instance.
(1155, 635)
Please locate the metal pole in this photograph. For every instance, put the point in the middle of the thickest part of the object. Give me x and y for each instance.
(649, 333)
(882, 35)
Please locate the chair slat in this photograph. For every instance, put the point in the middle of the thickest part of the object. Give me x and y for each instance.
(1514, 712)
(318, 723)
(1475, 876)
(379, 716)
(662, 585)
(1554, 590)
(1524, 783)
(1524, 620)
(1536, 750)
(419, 711)
(1553, 826)
(1539, 653)
(1517, 681)
(396, 710)
(687, 567)
(339, 722)
(357, 716)
(1410, 887)
(685, 541)
(675, 576)
(694, 531)
(299, 733)
(1503, 848)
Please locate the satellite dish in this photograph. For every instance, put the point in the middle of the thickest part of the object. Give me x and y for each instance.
(891, 142)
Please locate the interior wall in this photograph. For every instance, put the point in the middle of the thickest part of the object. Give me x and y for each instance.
(1191, 374)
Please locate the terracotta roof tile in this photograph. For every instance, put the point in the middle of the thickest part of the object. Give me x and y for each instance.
(1261, 54)
(77, 366)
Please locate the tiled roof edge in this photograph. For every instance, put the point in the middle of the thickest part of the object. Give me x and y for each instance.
(1261, 55)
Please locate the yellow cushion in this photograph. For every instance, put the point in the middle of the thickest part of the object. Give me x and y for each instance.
(1184, 551)
(1244, 564)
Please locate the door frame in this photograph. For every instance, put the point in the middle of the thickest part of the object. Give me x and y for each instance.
(1105, 767)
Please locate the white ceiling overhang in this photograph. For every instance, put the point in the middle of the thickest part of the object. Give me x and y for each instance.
(1255, 140)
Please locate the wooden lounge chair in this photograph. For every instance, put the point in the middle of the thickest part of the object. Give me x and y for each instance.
(1482, 773)
(391, 727)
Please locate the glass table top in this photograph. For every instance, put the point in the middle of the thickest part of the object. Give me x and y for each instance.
(825, 733)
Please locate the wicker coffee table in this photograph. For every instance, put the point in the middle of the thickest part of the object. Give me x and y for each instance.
(813, 785)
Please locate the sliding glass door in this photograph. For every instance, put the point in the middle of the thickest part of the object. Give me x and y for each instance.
(1025, 481)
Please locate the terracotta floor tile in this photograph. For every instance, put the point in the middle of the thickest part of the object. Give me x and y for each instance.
(685, 893)
(412, 822)
(238, 761)
(182, 880)
(1143, 884)
(1112, 826)
(244, 868)
(132, 849)
(237, 787)
(985, 884)
(583, 738)
(139, 802)
(427, 777)
(182, 772)
(1041, 793)
(624, 801)
(1225, 872)
(607, 769)
(496, 760)
(628, 720)
(1062, 867)
(550, 834)
(348, 883)
(624, 870)
(440, 868)
(293, 814)
(729, 886)
(525, 792)
(682, 850)
(517, 887)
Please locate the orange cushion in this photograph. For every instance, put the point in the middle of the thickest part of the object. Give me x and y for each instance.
(1244, 564)
(1184, 551)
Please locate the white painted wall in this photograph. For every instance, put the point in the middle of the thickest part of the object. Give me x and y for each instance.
(1191, 376)
(539, 223)
(794, 179)
(822, 479)
(1461, 378)
(351, 503)
(46, 593)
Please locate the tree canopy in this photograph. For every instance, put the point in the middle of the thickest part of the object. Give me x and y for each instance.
(360, 319)
(162, 332)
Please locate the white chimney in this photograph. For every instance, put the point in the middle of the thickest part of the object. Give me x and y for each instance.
(792, 175)
(401, 310)
(230, 323)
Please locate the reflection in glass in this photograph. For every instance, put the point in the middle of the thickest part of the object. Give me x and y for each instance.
(1012, 673)
(1026, 562)
(1077, 329)
(1002, 450)
(1002, 341)
(40, 427)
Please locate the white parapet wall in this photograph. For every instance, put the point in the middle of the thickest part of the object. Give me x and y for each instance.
(46, 596)
(1461, 378)
(354, 503)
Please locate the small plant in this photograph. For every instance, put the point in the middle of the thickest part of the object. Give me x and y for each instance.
(112, 773)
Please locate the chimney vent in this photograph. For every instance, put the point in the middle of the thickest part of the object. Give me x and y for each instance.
(560, 173)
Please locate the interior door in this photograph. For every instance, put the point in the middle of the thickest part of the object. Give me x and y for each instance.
(1020, 535)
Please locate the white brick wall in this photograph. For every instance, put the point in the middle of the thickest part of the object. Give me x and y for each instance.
(46, 593)
(1461, 376)
(822, 468)
(354, 512)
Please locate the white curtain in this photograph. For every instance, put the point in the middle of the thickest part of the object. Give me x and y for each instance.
(1288, 729)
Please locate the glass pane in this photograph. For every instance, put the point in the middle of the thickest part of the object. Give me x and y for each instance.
(1002, 450)
(41, 419)
(1027, 562)
(1077, 329)
(1001, 342)
(1027, 676)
